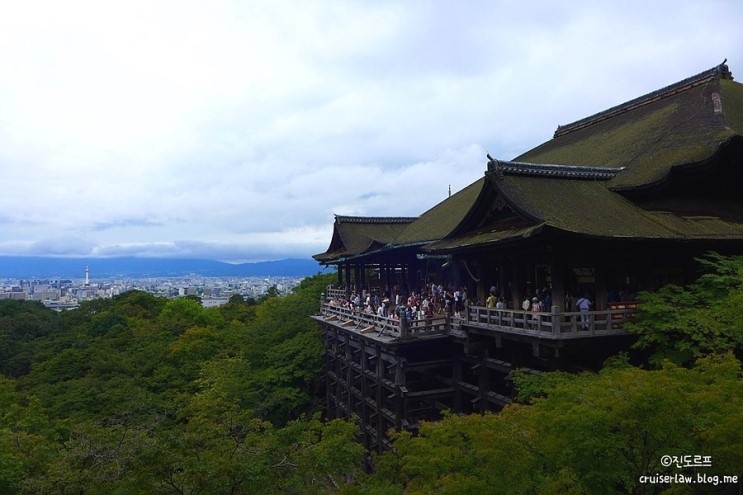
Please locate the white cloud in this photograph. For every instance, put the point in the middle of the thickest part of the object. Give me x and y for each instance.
(234, 130)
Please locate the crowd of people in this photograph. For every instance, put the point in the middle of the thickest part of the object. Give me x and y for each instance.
(422, 304)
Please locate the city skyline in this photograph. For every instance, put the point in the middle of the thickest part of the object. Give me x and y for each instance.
(222, 131)
(98, 268)
(212, 291)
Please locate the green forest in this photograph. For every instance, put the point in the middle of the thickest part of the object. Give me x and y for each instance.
(144, 395)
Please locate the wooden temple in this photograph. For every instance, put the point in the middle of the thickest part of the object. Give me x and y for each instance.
(618, 202)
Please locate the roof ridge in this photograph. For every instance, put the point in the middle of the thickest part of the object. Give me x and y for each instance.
(502, 168)
(719, 72)
(359, 219)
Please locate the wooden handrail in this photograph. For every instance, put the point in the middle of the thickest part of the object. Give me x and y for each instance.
(371, 323)
(554, 325)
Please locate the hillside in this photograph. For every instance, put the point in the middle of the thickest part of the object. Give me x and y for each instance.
(139, 394)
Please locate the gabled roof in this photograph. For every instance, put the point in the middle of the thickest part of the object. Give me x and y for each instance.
(579, 182)
(354, 235)
(574, 200)
(680, 124)
(442, 219)
(719, 72)
(579, 206)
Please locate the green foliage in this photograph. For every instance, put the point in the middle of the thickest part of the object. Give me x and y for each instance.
(21, 322)
(587, 433)
(682, 324)
(138, 394)
(180, 314)
(239, 309)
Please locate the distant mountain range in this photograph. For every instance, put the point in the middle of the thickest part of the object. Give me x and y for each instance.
(33, 267)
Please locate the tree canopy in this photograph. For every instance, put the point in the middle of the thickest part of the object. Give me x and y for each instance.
(139, 394)
(681, 324)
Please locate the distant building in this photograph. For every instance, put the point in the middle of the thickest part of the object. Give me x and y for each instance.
(621, 201)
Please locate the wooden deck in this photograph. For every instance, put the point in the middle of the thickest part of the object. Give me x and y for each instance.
(382, 328)
(544, 325)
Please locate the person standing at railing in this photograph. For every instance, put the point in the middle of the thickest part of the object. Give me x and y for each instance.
(490, 301)
(501, 304)
(536, 308)
(536, 305)
(457, 302)
(584, 305)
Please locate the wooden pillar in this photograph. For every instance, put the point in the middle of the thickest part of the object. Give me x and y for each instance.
(601, 292)
(380, 430)
(557, 271)
(348, 280)
(329, 360)
(502, 281)
(357, 278)
(339, 389)
(349, 376)
(517, 285)
(399, 393)
(482, 285)
(483, 382)
(456, 374)
(364, 386)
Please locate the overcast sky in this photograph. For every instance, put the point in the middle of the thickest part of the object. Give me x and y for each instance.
(234, 130)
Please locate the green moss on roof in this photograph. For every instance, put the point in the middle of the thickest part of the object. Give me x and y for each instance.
(443, 218)
(731, 96)
(648, 140)
(599, 148)
(355, 235)
(480, 239)
(697, 227)
(359, 236)
(589, 208)
(585, 207)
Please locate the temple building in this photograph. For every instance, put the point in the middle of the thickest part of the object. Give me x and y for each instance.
(615, 203)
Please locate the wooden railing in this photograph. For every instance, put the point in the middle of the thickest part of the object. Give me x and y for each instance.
(554, 325)
(550, 325)
(333, 293)
(373, 324)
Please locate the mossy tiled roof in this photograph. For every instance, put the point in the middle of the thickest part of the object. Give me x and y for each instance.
(589, 208)
(584, 207)
(673, 128)
(483, 238)
(442, 219)
(682, 124)
(569, 184)
(354, 235)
